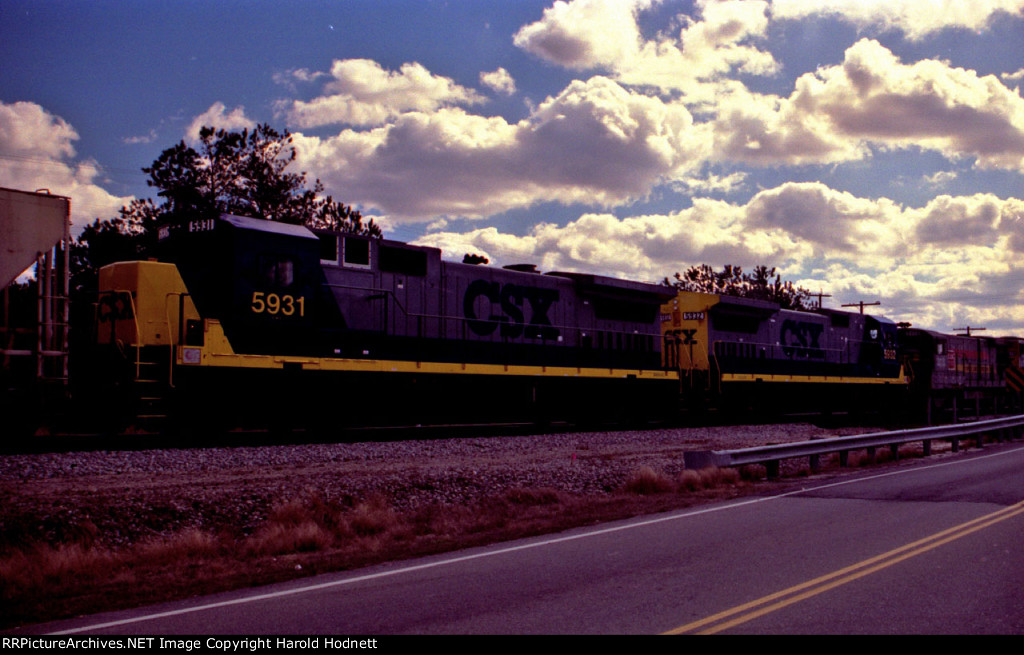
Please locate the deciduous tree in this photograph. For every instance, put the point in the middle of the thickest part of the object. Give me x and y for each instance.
(242, 173)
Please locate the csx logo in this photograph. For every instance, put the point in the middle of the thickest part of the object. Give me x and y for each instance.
(683, 337)
(506, 307)
(802, 339)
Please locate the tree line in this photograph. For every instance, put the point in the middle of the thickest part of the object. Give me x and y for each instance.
(762, 284)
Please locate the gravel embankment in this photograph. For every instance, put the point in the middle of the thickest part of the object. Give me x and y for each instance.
(119, 497)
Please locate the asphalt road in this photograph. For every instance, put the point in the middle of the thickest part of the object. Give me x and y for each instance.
(924, 547)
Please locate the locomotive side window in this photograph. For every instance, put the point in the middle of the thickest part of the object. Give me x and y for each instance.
(357, 252)
(734, 323)
(277, 270)
(401, 260)
(840, 320)
(328, 248)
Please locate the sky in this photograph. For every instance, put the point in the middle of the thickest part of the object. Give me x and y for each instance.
(870, 151)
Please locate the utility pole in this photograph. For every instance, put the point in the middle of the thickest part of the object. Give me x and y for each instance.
(819, 296)
(968, 330)
(862, 305)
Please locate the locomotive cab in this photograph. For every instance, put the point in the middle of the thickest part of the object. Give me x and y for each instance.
(260, 280)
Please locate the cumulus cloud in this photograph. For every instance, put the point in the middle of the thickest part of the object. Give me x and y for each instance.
(646, 247)
(940, 178)
(585, 34)
(361, 92)
(767, 130)
(604, 35)
(712, 183)
(666, 108)
(833, 222)
(916, 19)
(977, 220)
(594, 142)
(415, 152)
(928, 103)
(37, 152)
(930, 265)
(499, 80)
(874, 98)
(149, 137)
(218, 117)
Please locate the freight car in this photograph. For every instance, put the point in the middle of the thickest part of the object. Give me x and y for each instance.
(954, 373)
(251, 320)
(242, 320)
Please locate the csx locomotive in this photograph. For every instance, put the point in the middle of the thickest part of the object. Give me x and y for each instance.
(243, 320)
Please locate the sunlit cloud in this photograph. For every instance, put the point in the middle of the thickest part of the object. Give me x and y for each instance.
(37, 152)
(595, 142)
(874, 98)
(930, 264)
(499, 81)
(361, 92)
(218, 117)
(916, 19)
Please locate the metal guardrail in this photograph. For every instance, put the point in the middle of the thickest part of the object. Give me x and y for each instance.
(770, 456)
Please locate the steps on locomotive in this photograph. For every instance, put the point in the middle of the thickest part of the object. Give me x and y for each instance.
(151, 403)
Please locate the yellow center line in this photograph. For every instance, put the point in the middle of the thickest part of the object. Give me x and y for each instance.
(821, 584)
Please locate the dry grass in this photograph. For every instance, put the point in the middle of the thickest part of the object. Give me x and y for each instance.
(311, 533)
(646, 481)
(41, 581)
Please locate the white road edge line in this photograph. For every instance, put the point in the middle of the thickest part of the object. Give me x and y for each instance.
(512, 549)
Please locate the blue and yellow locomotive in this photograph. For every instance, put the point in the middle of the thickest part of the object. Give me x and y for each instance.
(243, 320)
(262, 319)
(747, 353)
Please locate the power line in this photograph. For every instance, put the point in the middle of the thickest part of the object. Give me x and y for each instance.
(66, 164)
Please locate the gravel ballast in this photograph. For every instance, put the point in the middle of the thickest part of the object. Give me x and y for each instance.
(119, 497)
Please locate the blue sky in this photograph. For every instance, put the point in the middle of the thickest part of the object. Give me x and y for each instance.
(870, 150)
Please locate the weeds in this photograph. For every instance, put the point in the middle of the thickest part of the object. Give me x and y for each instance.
(372, 516)
(310, 532)
(646, 481)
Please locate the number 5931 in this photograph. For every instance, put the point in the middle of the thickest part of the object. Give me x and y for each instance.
(272, 303)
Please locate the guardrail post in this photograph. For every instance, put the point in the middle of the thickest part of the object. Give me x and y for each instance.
(771, 456)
